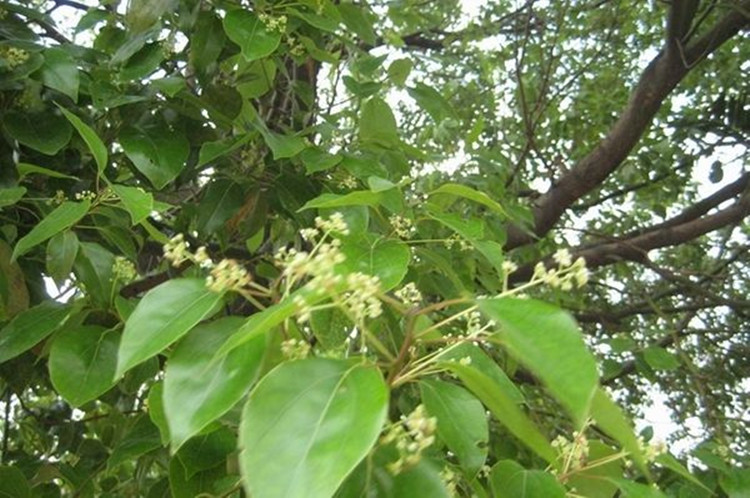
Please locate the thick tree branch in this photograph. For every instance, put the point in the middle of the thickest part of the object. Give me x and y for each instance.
(658, 80)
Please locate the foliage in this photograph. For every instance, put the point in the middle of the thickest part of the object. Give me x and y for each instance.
(234, 262)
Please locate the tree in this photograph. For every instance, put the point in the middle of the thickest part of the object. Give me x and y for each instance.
(323, 248)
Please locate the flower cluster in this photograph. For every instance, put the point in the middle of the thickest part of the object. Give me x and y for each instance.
(412, 435)
(361, 300)
(450, 480)
(567, 273)
(273, 23)
(13, 56)
(227, 275)
(456, 239)
(403, 227)
(295, 349)
(85, 195)
(123, 270)
(652, 449)
(409, 294)
(509, 267)
(176, 250)
(59, 198)
(574, 453)
(348, 182)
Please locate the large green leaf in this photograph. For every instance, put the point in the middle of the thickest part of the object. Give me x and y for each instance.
(82, 362)
(136, 201)
(47, 132)
(207, 41)
(63, 217)
(13, 483)
(504, 408)
(593, 481)
(60, 72)
(258, 324)
(547, 341)
(14, 294)
(431, 101)
(461, 422)
(377, 124)
(358, 198)
(157, 152)
(141, 437)
(198, 390)
(28, 328)
(510, 480)
(254, 38)
(610, 419)
(307, 424)
(61, 254)
(222, 200)
(386, 259)
(165, 314)
(458, 190)
(358, 19)
(96, 146)
(9, 196)
(631, 489)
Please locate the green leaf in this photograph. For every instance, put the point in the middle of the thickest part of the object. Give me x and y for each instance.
(9, 196)
(318, 418)
(630, 489)
(47, 132)
(166, 313)
(254, 38)
(594, 480)
(736, 483)
(660, 359)
(358, 20)
(207, 451)
(461, 422)
(469, 228)
(357, 198)
(143, 62)
(96, 146)
(316, 159)
(213, 150)
(546, 340)
(61, 254)
(14, 483)
(399, 70)
(258, 325)
(378, 184)
(137, 202)
(222, 200)
(421, 480)
(63, 217)
(156, 413)
(170, 86)
(82, 362)
(27, 329)
(158, 152)
(60, 72)
(610, 419)
(377, 124)
(141, 437)
(458, 190)
(509, 480)
(504, 408)
(93, 267)
(198, 390)
(479, 360)
(670, 462)
(207, 41)
(284, 146)
(25, 169)
(14, 295)
(386, 259)
(431, 101)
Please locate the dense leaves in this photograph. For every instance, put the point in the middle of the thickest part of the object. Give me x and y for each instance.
(383, 249)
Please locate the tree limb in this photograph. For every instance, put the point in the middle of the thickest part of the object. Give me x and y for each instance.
(658, 80)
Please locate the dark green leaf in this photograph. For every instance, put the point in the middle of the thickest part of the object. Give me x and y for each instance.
(399, 70)
(736, 483)
(13, 483)
(660, 359)
(630, 489)
(82, 362)
(141, 437)
(165, 314)
(315, 159)
(207, 451)
(222, 200)
(143, 62)
(60, 72)
(431, 101)
(63, 217)
(318, 418)
(158, 153)
(96, 146)
(358, 20)
(197, 389)
(25, 169)
(28, 328)
(47, 133)
(207, 41)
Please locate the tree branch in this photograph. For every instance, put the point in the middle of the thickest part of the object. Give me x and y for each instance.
(658, 80)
